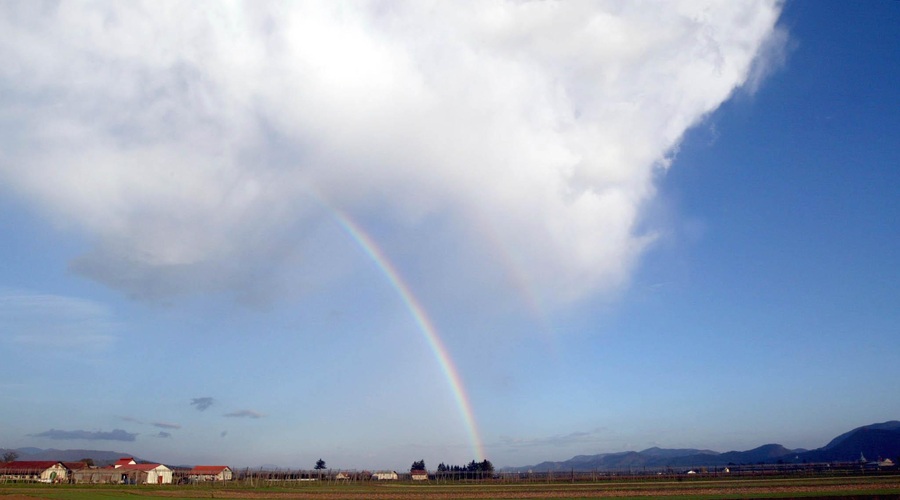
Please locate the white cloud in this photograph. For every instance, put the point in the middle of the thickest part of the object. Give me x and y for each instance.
(186, 139)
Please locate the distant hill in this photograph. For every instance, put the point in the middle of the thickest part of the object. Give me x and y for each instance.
(892, 425)
(660, 457)
(670, 453)
(99, 457)
(872, 441)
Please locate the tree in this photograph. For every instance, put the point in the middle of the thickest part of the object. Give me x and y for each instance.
(484, 466)
(10, 456)
(320, 464)
(88, 461)
(419, 465)
(475, 469)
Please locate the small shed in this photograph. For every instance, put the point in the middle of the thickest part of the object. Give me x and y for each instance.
(419, 475)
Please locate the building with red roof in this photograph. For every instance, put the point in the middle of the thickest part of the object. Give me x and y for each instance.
(37, 471)
(123, 462)
(210, 473)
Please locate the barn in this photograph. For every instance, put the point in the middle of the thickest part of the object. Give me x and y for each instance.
(37, 471)
(131, 472)
(210, 473)
(148, 473)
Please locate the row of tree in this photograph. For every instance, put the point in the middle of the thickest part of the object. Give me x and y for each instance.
(473, 466)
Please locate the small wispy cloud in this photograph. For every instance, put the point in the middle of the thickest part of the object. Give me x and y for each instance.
(49, 321)
(772, 57)
(163, 435)
(245, 414)
(126, 418)
(165, 425)
(223, 434)
(202, 403)
(113, 435)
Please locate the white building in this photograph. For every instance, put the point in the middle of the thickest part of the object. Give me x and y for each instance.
(34, 471)
(210, 473)
(147, 473)
(386, 476)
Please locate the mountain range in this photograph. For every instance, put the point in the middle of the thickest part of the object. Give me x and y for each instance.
(871, 441)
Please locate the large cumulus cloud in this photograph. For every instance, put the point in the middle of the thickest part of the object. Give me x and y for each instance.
(195, 143)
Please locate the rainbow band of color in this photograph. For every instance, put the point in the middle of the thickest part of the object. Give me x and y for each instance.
(425, 327)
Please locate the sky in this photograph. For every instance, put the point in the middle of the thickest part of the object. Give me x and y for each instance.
(373, 233)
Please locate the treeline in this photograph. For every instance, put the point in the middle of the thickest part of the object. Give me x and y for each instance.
(485, 466)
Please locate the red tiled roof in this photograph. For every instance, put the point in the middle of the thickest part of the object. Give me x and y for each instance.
(28, 465)
(140, 467)
(207, 469)
(75, 465)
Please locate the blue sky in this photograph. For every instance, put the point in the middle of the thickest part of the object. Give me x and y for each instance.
(630, 227)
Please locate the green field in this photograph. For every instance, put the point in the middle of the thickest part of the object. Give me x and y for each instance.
(838, 487)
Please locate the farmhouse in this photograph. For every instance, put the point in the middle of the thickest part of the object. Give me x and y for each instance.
(419, 475)
(386, 476)
(42, 471)
(210, 473)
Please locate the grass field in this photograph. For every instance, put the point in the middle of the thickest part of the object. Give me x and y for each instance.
(835, 487)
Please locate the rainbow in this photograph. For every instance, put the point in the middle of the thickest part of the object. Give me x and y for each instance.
(426, 327)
